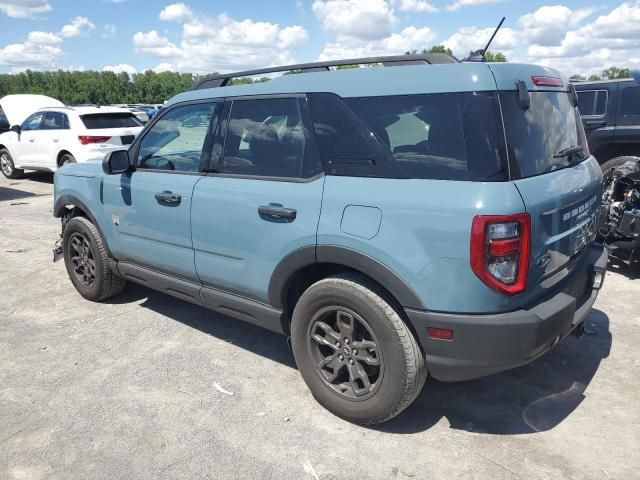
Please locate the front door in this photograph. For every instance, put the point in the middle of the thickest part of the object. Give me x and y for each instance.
(26, 149)
(264, 203)
(150, 207)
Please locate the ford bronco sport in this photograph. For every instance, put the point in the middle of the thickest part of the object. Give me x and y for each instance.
(424, 216)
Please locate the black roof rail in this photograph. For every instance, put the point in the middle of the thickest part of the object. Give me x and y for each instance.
(390, 61)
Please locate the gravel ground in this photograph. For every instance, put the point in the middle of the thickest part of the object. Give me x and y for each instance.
(149, 387)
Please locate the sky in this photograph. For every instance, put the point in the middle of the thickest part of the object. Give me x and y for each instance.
(202, 36)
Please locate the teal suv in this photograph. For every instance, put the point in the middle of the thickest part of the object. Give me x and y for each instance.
(424, 216)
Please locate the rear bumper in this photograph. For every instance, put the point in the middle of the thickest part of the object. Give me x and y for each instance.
(487, 344)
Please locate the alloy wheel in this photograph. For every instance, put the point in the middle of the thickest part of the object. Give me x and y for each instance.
(82, 259)
(346, 353)
(6, 164)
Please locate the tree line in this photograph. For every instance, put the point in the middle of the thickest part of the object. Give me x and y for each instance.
(105, 88)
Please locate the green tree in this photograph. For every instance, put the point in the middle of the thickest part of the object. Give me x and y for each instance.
(612, 73)
(434, 49)
(495, 57)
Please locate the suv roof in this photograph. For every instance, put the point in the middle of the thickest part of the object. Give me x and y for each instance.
(580, 84)
(399, 80)
(87, 110)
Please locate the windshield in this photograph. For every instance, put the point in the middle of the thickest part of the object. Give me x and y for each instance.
(540, 139)
(110, 120)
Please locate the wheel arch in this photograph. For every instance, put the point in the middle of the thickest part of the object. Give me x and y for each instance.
(79, 209)
(305, 266)
(60, 154)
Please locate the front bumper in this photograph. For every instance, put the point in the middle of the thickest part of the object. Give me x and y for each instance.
(487, 344)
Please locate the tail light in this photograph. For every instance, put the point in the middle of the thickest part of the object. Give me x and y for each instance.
(86, 139)
(539, 81)
(500, 247)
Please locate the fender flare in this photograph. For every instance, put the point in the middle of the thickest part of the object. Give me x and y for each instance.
(64, 200)
(306, 256)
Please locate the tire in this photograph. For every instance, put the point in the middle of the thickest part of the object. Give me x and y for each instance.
(324, 316)
(66, 158)
(87, 261)
(7, 166)
(610, 165)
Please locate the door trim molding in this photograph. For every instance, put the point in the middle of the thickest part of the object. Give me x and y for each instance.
(226, 303)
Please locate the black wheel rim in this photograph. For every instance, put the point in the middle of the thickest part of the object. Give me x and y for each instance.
(346, 353)
(6, 164)
(82, 259)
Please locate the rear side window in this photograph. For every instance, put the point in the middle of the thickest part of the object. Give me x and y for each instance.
(631, 101)
(55, 121)
(110, 120)
(449, 136)
(537, 136)
(593, 102)
(267, 138)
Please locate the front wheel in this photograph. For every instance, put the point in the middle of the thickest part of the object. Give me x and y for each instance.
(7, 166)
(355, 353)
(87, 261)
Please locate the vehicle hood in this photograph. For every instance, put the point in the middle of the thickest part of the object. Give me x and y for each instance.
(18, 107)
(85, 169)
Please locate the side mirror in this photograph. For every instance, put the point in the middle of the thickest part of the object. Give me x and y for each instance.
(16, 128)
(116, 162)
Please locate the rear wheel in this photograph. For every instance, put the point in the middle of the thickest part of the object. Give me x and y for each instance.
(87, 261)
(7, 166)
(355, 353)
(67, 158)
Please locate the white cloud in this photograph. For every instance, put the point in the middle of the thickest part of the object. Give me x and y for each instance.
(176, 12)
(364, 19)
(43, 38)
(548, 24)
(29, 55)
(164, 67)
(221, 43)
(24, 8)
(292, 36)
(458, 4)
(395, 44)
(121, 67)
(468, 39)
(79, 27)
(152, 43)
(416, 6)
(109, 31)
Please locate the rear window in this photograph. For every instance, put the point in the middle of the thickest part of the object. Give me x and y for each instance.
(450, 136)
(110, 120)
(536, 135)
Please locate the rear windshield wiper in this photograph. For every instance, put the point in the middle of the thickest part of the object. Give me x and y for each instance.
(569, 151)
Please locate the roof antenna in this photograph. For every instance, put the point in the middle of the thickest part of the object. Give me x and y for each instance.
(478, 55)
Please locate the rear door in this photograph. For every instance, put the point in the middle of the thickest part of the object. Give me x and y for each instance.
(150, 208)
(628, 119)
(265, 201)
(55, 130)
(560, 191)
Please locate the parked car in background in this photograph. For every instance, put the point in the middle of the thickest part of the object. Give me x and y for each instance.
(52, 137)
(140, 113)
(433, 216)
(15, 108)
(610, 111)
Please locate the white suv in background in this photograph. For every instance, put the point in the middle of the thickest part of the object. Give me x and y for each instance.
(52, 137)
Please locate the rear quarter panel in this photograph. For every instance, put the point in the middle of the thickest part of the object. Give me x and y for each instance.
(423, 233)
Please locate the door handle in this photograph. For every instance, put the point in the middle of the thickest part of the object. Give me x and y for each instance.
(595, 123)
(274, 212)
(168, 198)
(32, 140)
(55, 140)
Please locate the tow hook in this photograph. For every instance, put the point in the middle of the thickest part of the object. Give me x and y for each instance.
(579, 330)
